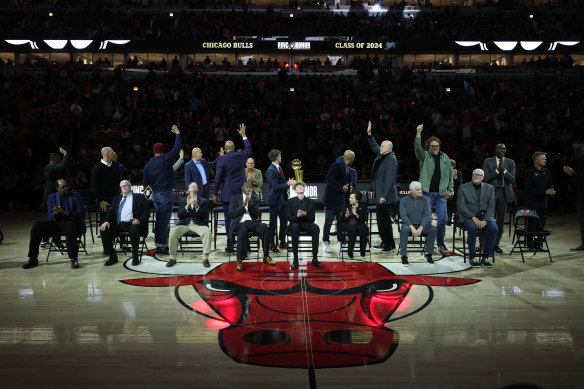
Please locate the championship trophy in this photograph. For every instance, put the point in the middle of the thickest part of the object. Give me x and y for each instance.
(296, 165)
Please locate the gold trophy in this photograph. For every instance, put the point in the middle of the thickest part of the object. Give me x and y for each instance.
(298, 174)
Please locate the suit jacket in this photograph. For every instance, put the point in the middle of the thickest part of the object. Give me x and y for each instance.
(229, 176)
(198, 216)
(192, 173)
(362, 213)
(140, 211)
(469, 205)
(277, 186)
(491, 175)
(259, 181)
(336, 178)
(385, 174)
(236, 210)
(294, 206)
(72, 203)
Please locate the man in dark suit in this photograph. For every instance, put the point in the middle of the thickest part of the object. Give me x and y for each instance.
(105, 178)
(476, 210)
(500, 172)
(302, 218)
(338, 181)
(65, 213)
(277, 198)
(383, 178)
(197, 171)
(230, 176)
(244, 209)
(53, 170)
(193, 212)
(128, 213)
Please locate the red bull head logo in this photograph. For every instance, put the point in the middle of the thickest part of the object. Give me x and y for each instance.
(334, 317)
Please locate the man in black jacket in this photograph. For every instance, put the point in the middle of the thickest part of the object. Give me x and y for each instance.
(301, 217)
(128, 213)
(244, 209)
(105, 178)
(193, 212)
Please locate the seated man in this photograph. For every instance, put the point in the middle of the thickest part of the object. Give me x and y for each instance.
(65, 214)
(128, 213)
(301, 217)
(355, 223)
(244, 210)
(416, 216)
(193, 212)
(476, 210)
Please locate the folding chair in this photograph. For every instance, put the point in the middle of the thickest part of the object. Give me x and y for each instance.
(528, 234)
(464, 251)
(57, 245)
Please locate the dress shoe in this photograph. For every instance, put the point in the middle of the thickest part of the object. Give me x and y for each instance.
(429, 259)
(206, 262)
(498, 249)
(274, 248)
(74, 263)
(268, 260)
(473, 262)
(404, 260)
(326, 247)
(162, 250)
(113, 258)
(294, 265)
(135, 261)
(389, 249)
(362, 253)
(32, 262)
(579, 248)
(316, 264)
(485, 262)
(229, 249)
(239, 266)
(350, 254)
(283, 246)
(171, 262)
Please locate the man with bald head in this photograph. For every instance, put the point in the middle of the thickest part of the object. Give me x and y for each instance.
(230, 176)
(383, 178)
(197, 171)
(338, 183)
(105, 179)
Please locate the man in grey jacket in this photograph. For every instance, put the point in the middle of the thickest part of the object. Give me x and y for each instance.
(476, 210)
(383, 177)
(500, 172)
(416, 216)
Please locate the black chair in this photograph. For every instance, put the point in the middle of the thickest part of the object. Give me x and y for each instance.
(253, 245)
(345, 246)
(91, 212)
(216, 222)
(191, 242)
(122, 244)
(528, 234)
(56, 244)
(304, 244)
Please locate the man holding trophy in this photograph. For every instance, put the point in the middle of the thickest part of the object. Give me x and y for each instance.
(277, 199)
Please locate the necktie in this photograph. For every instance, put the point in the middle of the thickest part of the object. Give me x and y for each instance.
(120, 209)
(280, 171)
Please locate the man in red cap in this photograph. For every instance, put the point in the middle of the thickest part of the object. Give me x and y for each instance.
(159, 175)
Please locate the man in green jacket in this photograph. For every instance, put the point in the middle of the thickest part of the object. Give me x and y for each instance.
(436, 177)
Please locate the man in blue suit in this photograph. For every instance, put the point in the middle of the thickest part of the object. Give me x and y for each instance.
(66, 214)
(230, 176)
(197, 171)
(338, 182)
(277, 200)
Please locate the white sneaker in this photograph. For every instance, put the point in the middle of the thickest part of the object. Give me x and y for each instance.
(326, 247)
(339, 247)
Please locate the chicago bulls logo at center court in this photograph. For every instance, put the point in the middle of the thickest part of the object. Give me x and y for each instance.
(327, 318)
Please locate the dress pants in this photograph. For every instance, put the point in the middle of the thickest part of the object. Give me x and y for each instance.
(242, 231)
(329, 217)
(384, 226)
(473, 231)
(310, 228)
(352, 231)
(45, 228)
(281, 212)
(227, 223)
(429, 231)
(500, 211)
(180, 229)
(108, 235)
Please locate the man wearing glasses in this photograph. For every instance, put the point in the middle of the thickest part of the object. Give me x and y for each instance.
(436, 177)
